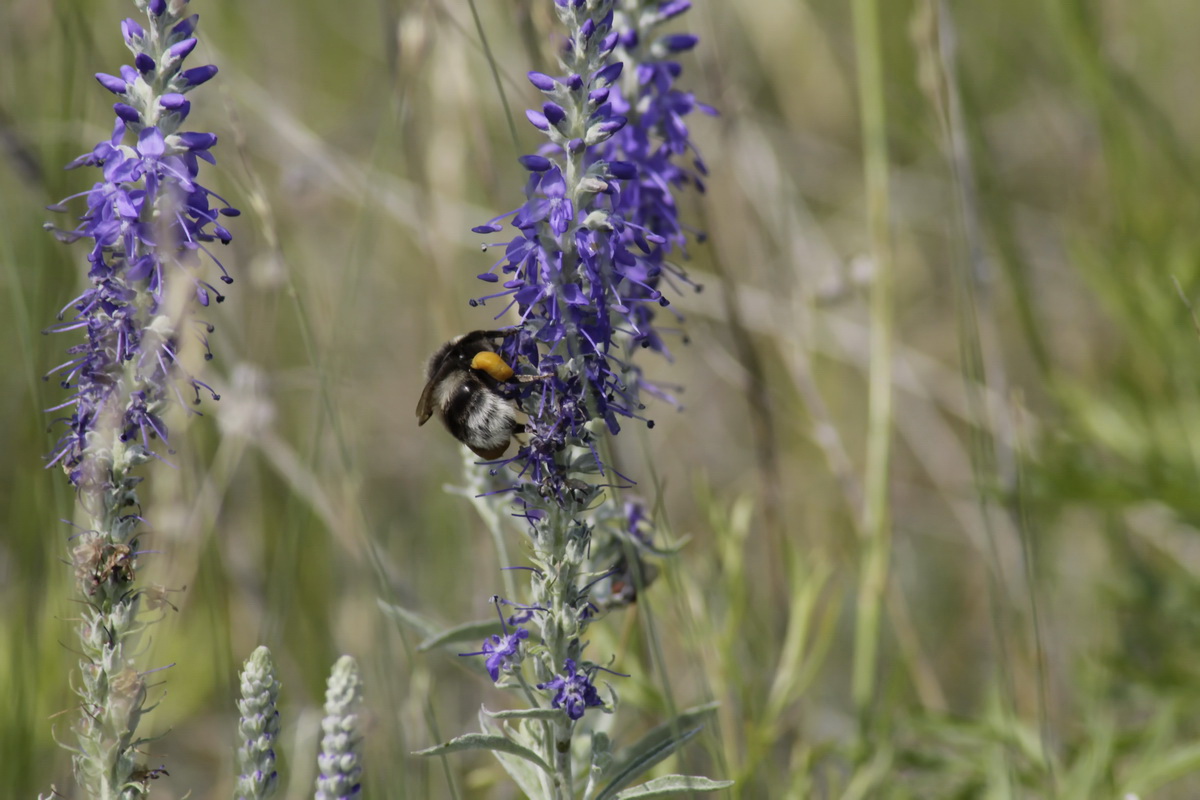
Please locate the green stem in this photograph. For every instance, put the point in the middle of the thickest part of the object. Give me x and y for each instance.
(876, 525)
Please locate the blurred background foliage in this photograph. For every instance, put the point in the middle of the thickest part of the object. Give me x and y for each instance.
(1039, 635)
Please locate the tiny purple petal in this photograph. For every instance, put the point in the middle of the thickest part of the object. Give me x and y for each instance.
(488, 276)
(574, 82)
(112, 83)
(197, 141)
(622, 170)
(157, 7)
(127, 112)
(537, 119)
(534, 163)
(131, 30)
(679, 42)
(587, 28)
(185, 27)
(554, 113)
(150, 142)
(144, 63)
(494, 227)
(608, 75)
(180, 51)
(598, 97)
(610, 42)
(198, 75)
(541, 81)
(673, 8)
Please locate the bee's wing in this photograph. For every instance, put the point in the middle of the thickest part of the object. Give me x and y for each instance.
(425, 404)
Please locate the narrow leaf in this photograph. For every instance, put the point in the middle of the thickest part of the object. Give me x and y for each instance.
(474, 632)
(551, 714)
(525, 774)
(639, 760)
(421, 624)
(658, 743)
(671, 785)
(483, 741)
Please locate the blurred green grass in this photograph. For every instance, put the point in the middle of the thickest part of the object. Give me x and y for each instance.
(1047, 415)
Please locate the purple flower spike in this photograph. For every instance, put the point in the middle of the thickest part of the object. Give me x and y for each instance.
(148, 224)
(132, 259)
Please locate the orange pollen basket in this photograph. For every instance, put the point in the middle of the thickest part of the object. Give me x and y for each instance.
(492, 364)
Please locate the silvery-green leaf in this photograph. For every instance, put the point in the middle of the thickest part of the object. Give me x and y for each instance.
(551, 714)
(656, 745)
(421, 624)
(639, 758)
(483, 741)
(467, 632)
(521, 771)
(673, 784)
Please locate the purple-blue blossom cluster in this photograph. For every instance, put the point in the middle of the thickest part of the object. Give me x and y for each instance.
(595, 235)
(573, 689)
(597, 241)
(146, 218)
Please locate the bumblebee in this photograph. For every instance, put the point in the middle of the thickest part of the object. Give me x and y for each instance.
(464, 378)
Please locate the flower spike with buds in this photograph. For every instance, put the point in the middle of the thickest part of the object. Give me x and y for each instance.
(151, 227)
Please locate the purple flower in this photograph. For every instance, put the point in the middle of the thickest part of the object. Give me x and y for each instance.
(574, 691)
(150, 224)
(595, 240)
(501, 650)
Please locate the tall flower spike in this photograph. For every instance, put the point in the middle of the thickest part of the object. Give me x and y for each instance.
(149, 224)
(592, 248)
(339, 762)
(258, 728)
